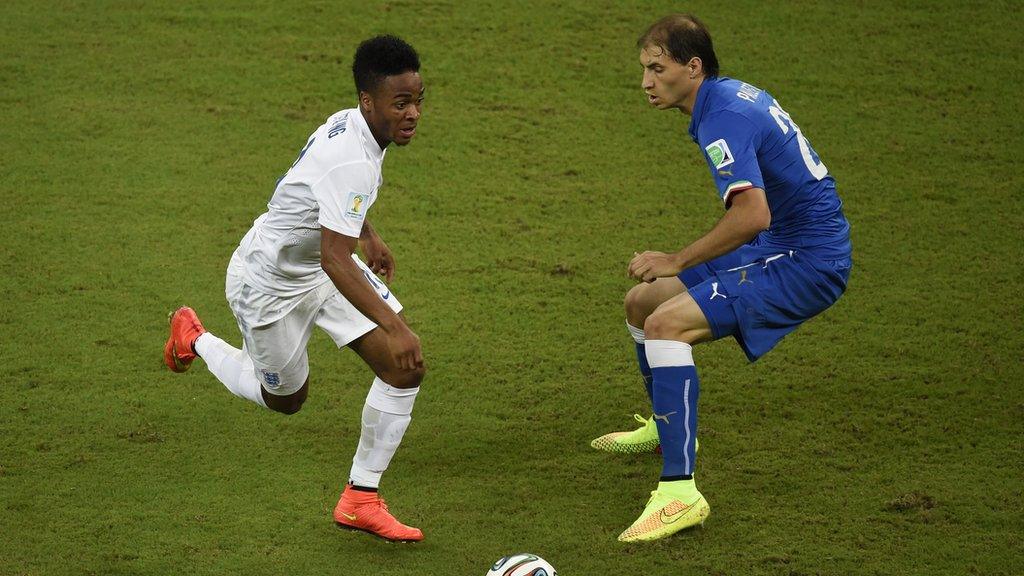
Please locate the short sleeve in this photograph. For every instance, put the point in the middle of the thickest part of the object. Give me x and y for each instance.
(730, 144)
(344, 195)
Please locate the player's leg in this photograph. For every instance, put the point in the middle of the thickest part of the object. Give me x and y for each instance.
(387, 412)
(386, 415)
(280, 384)
(670, 331)
(190, 340)
(235, 369)
(641, 301)
(231, 366)
(271, 370)
(758, 300)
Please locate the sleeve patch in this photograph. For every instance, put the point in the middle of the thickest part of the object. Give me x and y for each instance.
(719, 154)
(355, 207)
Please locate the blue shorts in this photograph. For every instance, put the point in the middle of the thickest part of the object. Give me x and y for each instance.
(758, 294)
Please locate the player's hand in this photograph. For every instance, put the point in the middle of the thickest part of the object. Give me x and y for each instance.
(649, 266)
(378, 256)
(404, 345)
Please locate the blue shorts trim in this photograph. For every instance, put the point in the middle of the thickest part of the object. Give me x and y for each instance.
(759, 294)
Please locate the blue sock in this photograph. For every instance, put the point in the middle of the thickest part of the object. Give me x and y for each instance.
(645, 371)
(676, 389)
(641, 359)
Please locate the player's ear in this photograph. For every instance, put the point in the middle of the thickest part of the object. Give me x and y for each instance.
(366, 101)
(695, 67)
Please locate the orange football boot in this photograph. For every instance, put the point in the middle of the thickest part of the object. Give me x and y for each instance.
(367, 511)
(185, 328)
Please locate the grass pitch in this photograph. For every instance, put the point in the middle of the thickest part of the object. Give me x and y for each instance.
(141, 139)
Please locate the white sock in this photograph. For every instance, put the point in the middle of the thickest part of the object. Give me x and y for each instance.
(386, 415)
(636, 333)
(231, 366)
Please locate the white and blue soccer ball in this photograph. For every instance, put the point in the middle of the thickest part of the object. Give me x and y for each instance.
(522, 565)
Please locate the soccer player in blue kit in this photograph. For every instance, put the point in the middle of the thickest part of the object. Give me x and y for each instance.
(778, 256)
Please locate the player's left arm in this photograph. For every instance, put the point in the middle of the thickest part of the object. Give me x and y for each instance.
(747, 216)
(378, 256)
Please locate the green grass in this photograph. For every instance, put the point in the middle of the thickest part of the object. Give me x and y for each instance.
(139, 140)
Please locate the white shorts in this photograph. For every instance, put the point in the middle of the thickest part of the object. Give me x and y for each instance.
(275, 330)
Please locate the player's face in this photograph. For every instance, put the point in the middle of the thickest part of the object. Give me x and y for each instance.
(393, 109)
(667, 83)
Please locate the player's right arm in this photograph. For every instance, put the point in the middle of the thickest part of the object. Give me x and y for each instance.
(344, 195)
(336, 251)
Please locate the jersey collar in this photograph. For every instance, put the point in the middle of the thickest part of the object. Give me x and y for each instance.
(369, 142)
(700, 103)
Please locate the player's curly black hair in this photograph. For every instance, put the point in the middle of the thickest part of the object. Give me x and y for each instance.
(382, 56)
(683, 36)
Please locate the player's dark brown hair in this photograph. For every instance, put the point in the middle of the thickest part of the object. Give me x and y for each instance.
(683, 36)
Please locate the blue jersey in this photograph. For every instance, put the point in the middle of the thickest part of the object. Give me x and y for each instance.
(750, 141)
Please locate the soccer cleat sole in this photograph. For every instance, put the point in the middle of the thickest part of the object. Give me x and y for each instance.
(171, 359)
(372, 533)
(609, 443)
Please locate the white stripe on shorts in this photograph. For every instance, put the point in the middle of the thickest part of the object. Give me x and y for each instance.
(766, 261)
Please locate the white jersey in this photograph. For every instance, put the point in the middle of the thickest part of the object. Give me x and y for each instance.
(333, 184)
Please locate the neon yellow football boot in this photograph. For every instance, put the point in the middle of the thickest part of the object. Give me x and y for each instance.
(665, 515)
(643, 440)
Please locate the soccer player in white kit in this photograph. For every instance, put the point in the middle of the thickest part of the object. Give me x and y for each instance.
(297, 267)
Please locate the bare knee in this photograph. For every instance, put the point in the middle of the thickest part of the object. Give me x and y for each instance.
(290, 407)
(412, 378)
(289, 404)
(660, 326)
(663, 324)
(636, 307)
(405, 378)
(643, 299)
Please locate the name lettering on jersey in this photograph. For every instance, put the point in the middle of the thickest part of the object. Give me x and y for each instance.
(719, 154)
(338, 127)
(356, 205)
(748, 92)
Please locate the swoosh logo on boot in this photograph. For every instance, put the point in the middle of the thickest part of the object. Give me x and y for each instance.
(673, 518)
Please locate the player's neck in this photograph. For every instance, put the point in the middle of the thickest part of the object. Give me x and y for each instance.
(382, 141)
(686, 106)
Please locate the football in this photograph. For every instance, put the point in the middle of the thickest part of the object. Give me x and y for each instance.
(522, 565)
